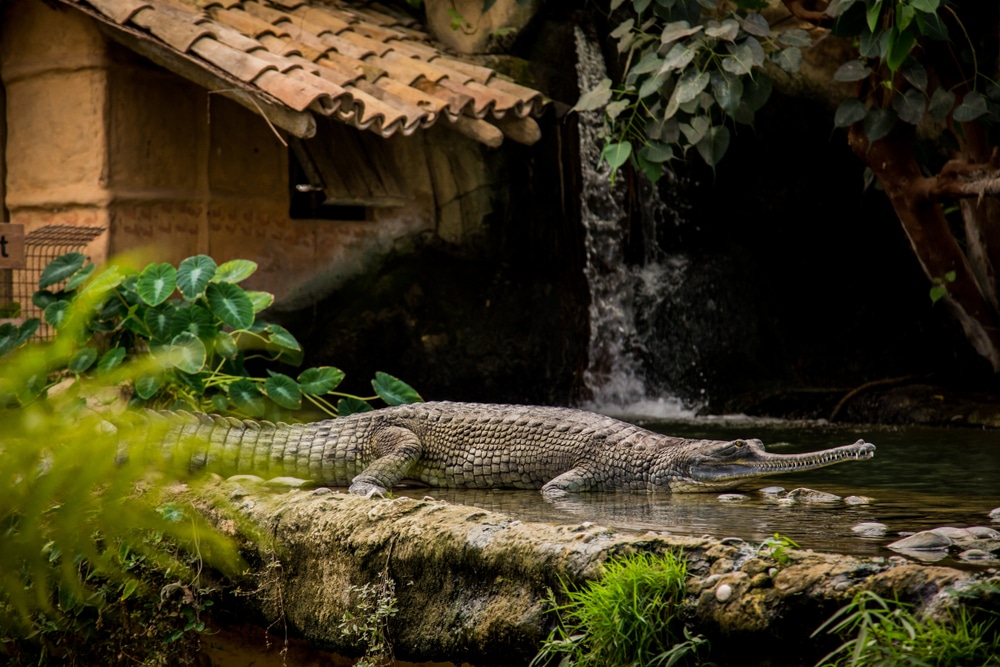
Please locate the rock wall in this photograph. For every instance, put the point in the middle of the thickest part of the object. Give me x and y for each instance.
(471, 585)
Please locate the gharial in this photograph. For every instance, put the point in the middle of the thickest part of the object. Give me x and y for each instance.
(470, 445)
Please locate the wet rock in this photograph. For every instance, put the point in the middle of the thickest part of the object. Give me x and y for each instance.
(983, 532)
(995, 514)
(288, 483)
(733, 498)
(857, 500)
(953, 534)
(806, 495)
(870, 529)
(925, 540)
(773, 491)
(976, 555)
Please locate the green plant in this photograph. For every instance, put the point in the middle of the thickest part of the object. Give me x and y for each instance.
(90, 534)
(368, 620)
(8, 310)
(882, 632)
(203, 325)
(627, 617)
(777, 548)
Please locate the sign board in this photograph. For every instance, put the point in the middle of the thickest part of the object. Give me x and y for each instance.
(11, 246)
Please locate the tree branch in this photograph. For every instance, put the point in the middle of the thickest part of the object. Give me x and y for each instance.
(807, 10)
(962, 179)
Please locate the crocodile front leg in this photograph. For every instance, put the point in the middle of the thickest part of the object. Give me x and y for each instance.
(574, 480)
(398, 449)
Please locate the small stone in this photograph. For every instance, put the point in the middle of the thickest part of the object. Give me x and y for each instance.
(723, 592)
(995, 514)
(857, 500)
(976, 555)
(785, 501)
(321, 491)
(732, 498)
(983, 532)
(251, 479)
(925, 540)
(870, 529)
(813, 496)
(771, 490)
(287, 483)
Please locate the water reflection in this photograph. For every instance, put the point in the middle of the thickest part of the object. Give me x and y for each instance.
(920, 478)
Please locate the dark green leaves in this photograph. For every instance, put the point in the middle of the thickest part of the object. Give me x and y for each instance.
(320, 380)
(972, 107)
(194, 274)
(852, 70)
(247, 398)
(394, 391)
(156, 283)
(230, 304)
(283, 390)
(61, 268)
(849, 112)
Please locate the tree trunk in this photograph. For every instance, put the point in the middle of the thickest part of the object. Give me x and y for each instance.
(973, 304)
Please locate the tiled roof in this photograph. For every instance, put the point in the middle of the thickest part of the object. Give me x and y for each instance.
(365, 64)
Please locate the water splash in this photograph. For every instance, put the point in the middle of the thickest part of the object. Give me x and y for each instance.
(615, 375)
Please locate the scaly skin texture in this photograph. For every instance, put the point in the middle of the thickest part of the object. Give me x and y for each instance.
(469, 445)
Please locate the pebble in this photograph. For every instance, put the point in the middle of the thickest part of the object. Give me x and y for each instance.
(287, 483)
(870, 529)
(995, 514)
(774, 490)
(857, 500)
(813, 496)
(732, 498)
(723, 592)
(925, 540)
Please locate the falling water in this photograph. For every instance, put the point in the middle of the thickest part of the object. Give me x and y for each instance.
(615, 375)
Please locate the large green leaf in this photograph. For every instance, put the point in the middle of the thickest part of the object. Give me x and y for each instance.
(194, 274)
(82, 359)
(195, 320)
(188, 353)
(282, 338)
(146, 386)
(260, 300)
(111, 359)
(247, 397)
(79, 278)
(394, 391)
(283, 390)
(616, 154)
(230, 304)
(225, 345)
(159, 321)
(234, 271)
(56, 313)
(320, 380)
(349, 406)
(61, 268)
(156, 283)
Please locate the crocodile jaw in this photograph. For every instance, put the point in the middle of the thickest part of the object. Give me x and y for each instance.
(729, 464)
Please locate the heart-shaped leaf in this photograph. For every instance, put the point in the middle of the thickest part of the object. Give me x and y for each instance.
(194, 274)
(247, 397)
(61, 268)
(394, 391)
(230, 304)
(284, 391)
(234, 271)
(318, 381)
(156, 283)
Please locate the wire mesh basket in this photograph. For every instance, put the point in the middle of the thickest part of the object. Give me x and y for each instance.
(41, 247)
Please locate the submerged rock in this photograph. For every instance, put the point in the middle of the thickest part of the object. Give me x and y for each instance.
(733, 498)
(870, 529)
(995, 514)
(806, 495)
(925, 540)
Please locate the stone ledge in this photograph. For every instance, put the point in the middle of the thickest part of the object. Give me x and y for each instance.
(471, 584)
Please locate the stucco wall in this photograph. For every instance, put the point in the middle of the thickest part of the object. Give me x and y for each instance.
(100, 136)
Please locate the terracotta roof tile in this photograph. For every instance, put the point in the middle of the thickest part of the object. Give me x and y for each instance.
(363, 63)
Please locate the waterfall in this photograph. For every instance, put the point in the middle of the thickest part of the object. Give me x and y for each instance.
(620, 293)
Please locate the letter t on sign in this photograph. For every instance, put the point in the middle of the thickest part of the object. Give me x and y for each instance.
(11, 246)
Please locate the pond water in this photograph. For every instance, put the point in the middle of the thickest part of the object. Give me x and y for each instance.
(920, 478)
